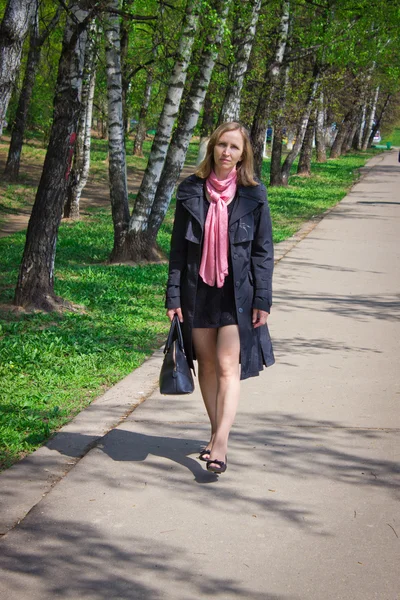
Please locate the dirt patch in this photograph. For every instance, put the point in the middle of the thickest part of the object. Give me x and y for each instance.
(96, 192)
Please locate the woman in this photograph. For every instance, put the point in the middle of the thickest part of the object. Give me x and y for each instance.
(220, 275)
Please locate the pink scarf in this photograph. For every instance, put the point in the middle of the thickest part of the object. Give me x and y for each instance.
(214, 262)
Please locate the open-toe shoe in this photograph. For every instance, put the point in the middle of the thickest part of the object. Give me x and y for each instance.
(217, 466)
(205, 453)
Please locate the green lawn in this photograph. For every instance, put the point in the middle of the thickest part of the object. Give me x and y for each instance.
(394, 137)
(305, 198)
(53, 365)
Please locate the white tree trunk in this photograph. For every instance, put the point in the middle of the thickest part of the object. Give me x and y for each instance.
(362, 127)
(13, 30)
(116, 134)
(320, 131)
(279, 121)
(270, 85)
(202, 150)
(302, 127)
(80, 170)
(187, 121)
(141, 128)
(144, 200)
(32, 63)
(379, 118)
(370, 121)
(243, 39)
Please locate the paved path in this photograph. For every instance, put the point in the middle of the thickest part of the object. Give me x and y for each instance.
(309, 506)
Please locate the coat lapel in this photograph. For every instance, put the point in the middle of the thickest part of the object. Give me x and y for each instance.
(191, 195)
(247, 202)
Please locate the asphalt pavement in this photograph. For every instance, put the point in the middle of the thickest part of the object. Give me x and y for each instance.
(308, 508)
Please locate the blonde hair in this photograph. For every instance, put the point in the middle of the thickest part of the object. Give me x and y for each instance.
(245, 168)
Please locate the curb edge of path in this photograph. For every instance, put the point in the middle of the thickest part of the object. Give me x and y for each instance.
(24, 484)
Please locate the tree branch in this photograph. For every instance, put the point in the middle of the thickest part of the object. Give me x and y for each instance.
(49, 28)
(128, 15)
(144, 65)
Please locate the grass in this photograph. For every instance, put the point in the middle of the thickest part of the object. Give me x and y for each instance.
(15, 197)
(53, 365)
(393, 138)
(306, 198)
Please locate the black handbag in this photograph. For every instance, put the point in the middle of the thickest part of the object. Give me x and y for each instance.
(175, 377)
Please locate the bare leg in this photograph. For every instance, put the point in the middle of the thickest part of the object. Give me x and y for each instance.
(228, 387)
(205, 345)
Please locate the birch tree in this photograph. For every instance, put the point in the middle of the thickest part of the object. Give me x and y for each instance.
(81, 164)
(341, 135)
(35, 286)
(116, 134)
(36, 42)
(302, 126)
(320, 130)
(380, 114)
(142, 126)
(361, 126)
(304, 166)
(186, 123)
(348, 142)
(276, 152)
(242, 40)
(13, 31)
(207, 123)
(271, 81)
(136, 242)
(370, 119)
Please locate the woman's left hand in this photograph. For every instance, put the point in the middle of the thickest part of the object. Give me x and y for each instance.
(259, 317)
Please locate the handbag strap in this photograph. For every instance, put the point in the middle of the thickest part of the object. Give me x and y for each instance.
(175, 332)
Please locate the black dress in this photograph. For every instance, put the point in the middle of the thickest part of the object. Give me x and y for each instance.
(215, 307)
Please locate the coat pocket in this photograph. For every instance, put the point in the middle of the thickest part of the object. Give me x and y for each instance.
(242, 230)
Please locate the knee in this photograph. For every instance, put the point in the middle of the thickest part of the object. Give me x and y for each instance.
(228, 367)
(207, 365)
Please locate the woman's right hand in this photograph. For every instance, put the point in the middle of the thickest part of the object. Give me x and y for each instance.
(172, 311)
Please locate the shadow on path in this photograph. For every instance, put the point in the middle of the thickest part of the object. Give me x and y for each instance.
(72, 559)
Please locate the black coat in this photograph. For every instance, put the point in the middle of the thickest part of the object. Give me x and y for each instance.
(250, 240)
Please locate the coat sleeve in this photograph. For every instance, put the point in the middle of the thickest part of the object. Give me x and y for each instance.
(177, 258)
(262, 257)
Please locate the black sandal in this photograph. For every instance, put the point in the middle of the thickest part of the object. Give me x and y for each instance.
(221, 465)
(203, 454)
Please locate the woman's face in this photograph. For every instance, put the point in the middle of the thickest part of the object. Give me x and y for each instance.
(228, 152)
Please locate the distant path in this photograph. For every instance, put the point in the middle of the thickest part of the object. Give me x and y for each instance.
(96, 193)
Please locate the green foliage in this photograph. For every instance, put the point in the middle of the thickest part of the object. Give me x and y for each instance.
(41, 106)
(393, 138)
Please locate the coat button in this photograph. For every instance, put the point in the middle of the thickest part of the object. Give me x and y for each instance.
(231, 228)
(240, 310)
(235, 256)
(237, 283)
